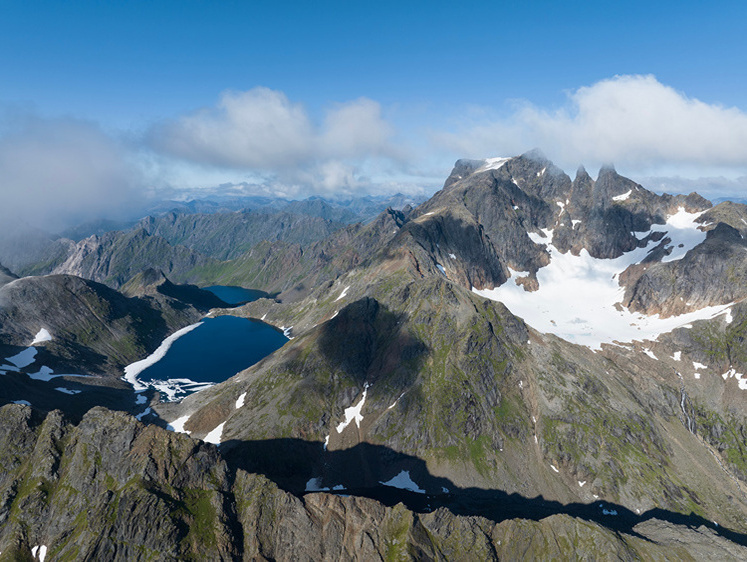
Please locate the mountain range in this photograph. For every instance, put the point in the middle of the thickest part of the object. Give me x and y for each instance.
(524, 365)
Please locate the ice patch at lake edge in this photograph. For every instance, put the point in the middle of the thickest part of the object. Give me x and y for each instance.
(132, 370)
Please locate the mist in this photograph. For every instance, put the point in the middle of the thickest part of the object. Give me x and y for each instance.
(58, 172)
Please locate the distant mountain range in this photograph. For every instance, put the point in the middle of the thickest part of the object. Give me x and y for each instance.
(523, 366)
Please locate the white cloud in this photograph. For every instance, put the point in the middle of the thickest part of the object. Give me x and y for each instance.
(633, 121)
(356, 129)
(54, 172)
(261, 129)
(261, 134)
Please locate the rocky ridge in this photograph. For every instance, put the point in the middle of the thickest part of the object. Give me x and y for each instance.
(112, 488)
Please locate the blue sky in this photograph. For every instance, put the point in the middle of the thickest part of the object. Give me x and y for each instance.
(345, 97)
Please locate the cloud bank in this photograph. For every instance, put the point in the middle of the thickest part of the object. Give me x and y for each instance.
(55, 172)
(634, 121)
(261, 131)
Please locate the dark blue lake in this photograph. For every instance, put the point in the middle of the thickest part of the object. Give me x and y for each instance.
(212, 352)
(235, 295)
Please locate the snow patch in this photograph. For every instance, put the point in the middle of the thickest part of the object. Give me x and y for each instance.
(697, 365)
(326, 442)
(677, 356)
(215, 435)
(622, 197)
(441, 268)
(24, 358)
(574, 222)
(354, 413)
(492, 164)
(683, 230)
(22, 402)
(67, 390)
(177, 426)
(553, 467)
(41, 551)
(240, 401)
(315, 485)
(45, 374)
(452, 256)
(741, 380)
(342, 295)
(144, 413)
(581, 483)
(577, 295)
(395, 402)
(141, 399)
(403, 482)
(42, 336)
(650, 353)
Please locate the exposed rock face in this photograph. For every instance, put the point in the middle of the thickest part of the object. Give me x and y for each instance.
(228, 235)
(712, 272)
(111, 488)
(116, 257)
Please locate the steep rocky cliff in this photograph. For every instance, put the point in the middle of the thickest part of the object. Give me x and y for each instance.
(111, 488)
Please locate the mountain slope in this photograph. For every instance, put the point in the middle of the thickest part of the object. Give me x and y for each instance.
(116, 257)
(225, 236)
(400, 358)
(112, 488)
(55, 328)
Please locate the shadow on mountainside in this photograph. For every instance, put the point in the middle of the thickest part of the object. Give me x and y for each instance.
(300, 467)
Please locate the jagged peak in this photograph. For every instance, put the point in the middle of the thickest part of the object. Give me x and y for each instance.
(607, 169)
(537, 155)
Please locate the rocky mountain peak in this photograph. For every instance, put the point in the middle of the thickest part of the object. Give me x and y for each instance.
(462, 168)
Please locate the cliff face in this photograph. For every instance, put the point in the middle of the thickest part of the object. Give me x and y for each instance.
(111, 488)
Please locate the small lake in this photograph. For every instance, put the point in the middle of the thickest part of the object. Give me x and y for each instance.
(206, 353)
(235, 295)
